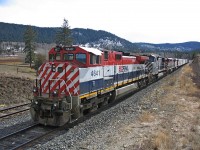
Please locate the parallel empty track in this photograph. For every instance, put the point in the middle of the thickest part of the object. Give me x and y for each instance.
(8, 111)
(24, 136)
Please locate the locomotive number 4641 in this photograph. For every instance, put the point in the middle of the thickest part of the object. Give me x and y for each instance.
(95, 73)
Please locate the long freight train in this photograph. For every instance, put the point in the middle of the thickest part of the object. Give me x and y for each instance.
(78, 80)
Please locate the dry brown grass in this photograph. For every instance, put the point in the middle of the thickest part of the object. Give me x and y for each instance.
(15, 66)
(196, 121)
(181, 100)
(172, 81)
(182, 107)
(195, 67)
(186, 82)
(184, 142)
(162, 141)
(11, 60)
(147, 117)
(193, 138)
(15, 70)
(183, 82)
(170, 84)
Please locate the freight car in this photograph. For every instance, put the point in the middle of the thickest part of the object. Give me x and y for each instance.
(78, 80)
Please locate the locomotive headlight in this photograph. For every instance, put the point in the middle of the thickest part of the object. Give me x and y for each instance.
(35, 90)
(55, 93)
(54, 104)
(36, 102)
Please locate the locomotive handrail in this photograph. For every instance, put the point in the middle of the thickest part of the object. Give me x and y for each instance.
(73, 86)
(66, 87)
(39, 84)
(67, 90)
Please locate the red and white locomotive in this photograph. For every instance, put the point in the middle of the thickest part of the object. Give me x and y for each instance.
(77, 80)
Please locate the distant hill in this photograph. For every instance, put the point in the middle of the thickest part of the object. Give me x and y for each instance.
(186, 46)
(15, 33)
(95, 38)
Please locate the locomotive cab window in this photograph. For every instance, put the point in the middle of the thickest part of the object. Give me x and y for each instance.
(105, 55)
(81, 58)
(68, 56)
(58, 57)
(152, 59)
(94, 59)
(118, 57)
(51, 57)
(98, 60)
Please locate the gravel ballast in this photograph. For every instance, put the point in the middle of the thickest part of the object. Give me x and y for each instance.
(15, 119)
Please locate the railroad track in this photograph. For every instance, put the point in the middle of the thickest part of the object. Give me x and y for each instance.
(8, 111)
(23, 137)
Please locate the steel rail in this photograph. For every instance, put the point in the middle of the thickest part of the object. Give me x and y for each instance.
(24, 129)
(16, 112)
(25, 136)
(13, 107)
(21, 146)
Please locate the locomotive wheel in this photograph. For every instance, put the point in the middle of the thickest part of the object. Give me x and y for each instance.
(156, 77)
(112, 97)
(139, 84)
(142, 83)
(105, 102)
(77, 112)
(34, 114)
(94, 108)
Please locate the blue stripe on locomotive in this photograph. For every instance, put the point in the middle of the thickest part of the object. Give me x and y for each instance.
(89, 86)
(94, 85)
(129, 75)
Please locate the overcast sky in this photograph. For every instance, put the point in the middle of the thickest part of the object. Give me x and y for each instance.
(154, 21)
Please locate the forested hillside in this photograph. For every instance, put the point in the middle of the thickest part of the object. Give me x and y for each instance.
(94, 38)
(186, 46)
(99, 38)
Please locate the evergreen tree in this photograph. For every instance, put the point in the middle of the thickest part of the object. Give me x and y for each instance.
(1, 49)
(63, 36)
(39, 60)
(29, 39)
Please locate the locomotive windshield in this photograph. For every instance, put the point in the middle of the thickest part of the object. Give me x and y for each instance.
(81, 57)
(58, 57)
(94, 59)
(51, 57)
(151, 59)
(68, 56)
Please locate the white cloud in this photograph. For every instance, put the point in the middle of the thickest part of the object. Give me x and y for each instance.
(135, 20)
